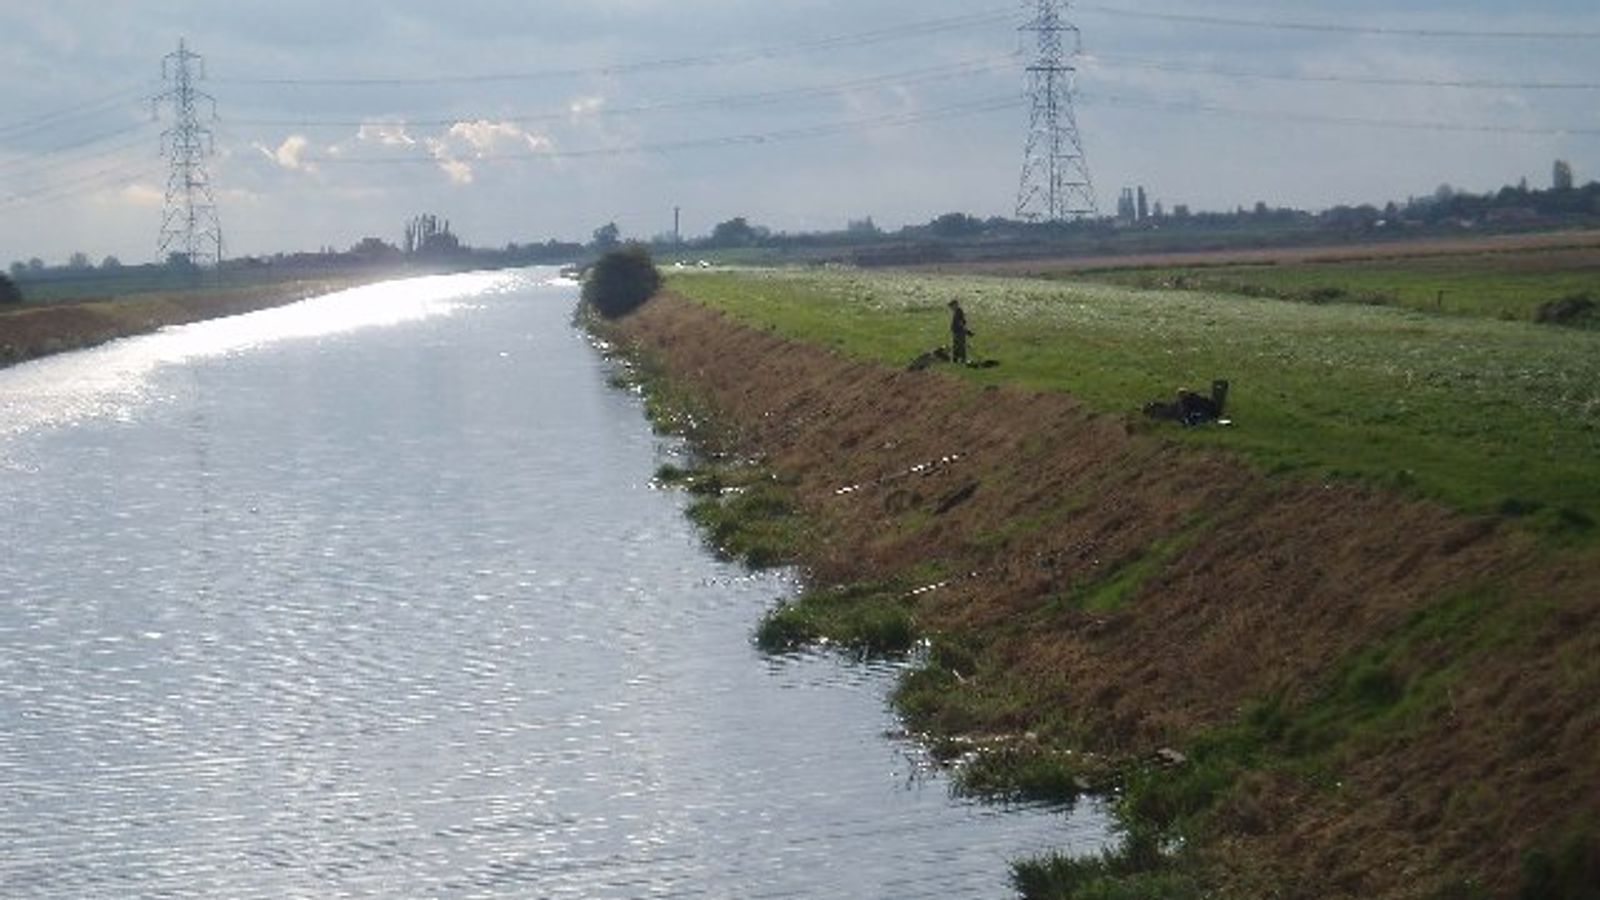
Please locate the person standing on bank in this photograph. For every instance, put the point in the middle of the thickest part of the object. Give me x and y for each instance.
(958, 333)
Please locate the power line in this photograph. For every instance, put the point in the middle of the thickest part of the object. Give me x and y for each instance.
(46, 160)
(858, 39)
(77, 186)
(1134, 62)
(1332, 28)
(977, 107)
(900, 79)
(51, 119)
(1319, 118)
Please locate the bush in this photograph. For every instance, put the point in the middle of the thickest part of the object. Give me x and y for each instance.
(9, 292)
(621, 281)
(1574, 309)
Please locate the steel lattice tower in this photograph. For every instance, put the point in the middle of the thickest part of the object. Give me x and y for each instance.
(189, 225)
(1055, 179)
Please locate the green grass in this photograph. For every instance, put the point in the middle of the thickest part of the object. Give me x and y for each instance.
(747, 514)
(869, 620)
(1486, 415)
(1378, 697)
(1470, 287)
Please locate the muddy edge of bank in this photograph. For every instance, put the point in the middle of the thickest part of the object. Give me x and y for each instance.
(1119, 594)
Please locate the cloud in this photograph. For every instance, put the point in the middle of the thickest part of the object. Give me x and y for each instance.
(290, 154)
(143, 195)
(485, 137)
(482, 139)
(387, 134)
(585, 107)
(459, 172)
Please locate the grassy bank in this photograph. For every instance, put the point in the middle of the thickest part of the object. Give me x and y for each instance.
(1293, 685)
(1487, 415)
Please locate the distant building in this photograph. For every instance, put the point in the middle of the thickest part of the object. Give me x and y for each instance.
(1144, 205)
(1127, 208)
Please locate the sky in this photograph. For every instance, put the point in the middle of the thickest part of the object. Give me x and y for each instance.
(526, 120)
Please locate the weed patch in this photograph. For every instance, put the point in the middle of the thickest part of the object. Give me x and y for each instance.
(867, 619)
(1136, 870)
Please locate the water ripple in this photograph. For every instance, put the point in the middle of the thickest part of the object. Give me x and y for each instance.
(340, 618)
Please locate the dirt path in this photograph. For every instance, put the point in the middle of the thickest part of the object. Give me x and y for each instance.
(1238, 587)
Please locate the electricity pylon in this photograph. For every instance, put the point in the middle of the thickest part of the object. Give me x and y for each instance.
(1055, 179)
(190, 230)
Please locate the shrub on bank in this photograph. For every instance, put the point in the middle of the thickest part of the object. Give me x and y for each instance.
(621, 281)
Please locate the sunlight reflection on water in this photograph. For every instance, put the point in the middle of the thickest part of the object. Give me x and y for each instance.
(111, 380)
(401, 613)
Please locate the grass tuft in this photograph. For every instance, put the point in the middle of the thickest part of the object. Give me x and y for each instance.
(870, 619)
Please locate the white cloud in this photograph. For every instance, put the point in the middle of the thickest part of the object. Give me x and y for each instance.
(388, 134)
(478, 140)
(585, 107)
(290, 154)
(459, 172)
(485, 137)
(142, 195)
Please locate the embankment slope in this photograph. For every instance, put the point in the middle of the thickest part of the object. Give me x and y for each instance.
(1431, 675)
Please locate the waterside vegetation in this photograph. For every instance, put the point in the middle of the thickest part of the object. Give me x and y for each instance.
(1336, 649)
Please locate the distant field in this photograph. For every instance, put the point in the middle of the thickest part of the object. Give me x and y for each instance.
(1487, 415)
(1506, 277)
(1473, 287)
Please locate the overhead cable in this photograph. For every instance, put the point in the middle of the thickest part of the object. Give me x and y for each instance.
(1342, 28)
(730, 57)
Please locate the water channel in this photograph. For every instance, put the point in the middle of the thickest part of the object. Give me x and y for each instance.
(371, 596)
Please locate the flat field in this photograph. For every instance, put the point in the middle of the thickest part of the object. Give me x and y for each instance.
(1505, 276)
(1486, 414)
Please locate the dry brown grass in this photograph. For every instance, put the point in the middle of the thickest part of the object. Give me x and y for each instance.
(1273, 584)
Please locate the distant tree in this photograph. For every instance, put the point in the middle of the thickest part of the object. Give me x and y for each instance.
(428, 235)
(956, 225)
(79, 261)
(371, 248)
(9, 292)
(862, 228)
(110, 262)
(621, 281)
(18, 269)
(35, 264)
(607, 237)
(736, 232)
(1561, 175)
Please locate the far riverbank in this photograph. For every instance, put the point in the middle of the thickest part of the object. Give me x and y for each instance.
(31, 331)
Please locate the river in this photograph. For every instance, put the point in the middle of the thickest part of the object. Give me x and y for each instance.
(372, 596)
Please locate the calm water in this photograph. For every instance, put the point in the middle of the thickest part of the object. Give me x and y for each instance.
(371, 597)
